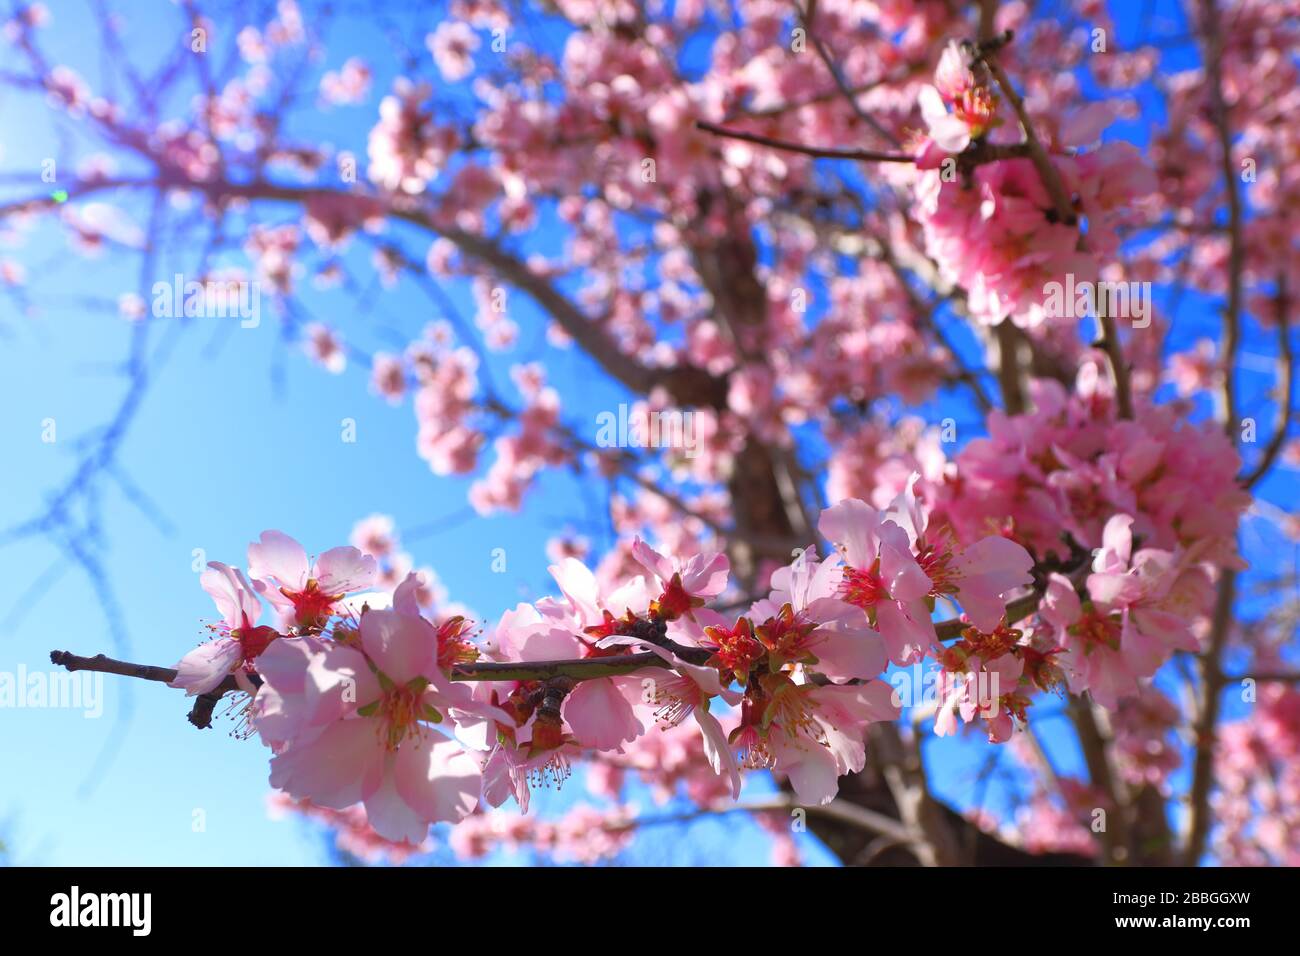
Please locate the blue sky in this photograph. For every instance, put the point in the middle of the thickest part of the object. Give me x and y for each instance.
(238, 433)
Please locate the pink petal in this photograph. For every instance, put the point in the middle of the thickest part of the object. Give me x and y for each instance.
(600, 714)
(1085, 127)
(276, 555)
(207, 665)
(337, 682)
(578, 585)
(1116, 542)
(402, 647)
(717, 749)
(391, 816)
(705, 575)
(499, 781)
(906, 511)
(1061, 606)
(810, 768)
(335, 769)
(404, 597)
(854, 524)
(899, 568)
(845, 654)
(907, 631)
(231, 594)
(342, 570)
(652, 560)
(989, 569)
(438, 779)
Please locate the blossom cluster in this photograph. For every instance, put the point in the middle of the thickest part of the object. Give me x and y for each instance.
(364, 699)
(996, 230)
(368, 696)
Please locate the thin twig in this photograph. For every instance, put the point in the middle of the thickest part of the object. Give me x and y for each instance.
(1211, 669)
(818, 152)
(508, 670)
(1286, 387)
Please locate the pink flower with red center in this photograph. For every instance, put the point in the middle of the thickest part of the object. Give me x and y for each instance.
(241, 640)
(600, 712)
(381, 749)
(672, 697)
(1138, 612)
(974, 105)
(806, 621)
(304, 594)
(881, 576)
(736, 648)
(814, 734)
(979, 577)
(686, 585)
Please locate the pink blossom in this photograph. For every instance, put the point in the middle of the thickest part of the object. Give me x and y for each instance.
(375, 535)
(686, 585)
(453, 44)
(323, 345)
(882, 576)
(406, 148)
(349, 84)
(980, 577)
(388, 377)
(382, 750)
(804, 618)
(1131, 622)
(815, 733)
(305, 594)
(240, 640)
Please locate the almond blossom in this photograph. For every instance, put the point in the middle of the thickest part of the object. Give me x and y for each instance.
(305, 594)
(383, 749)
(882, 576)
(1133, 619)
(240, 642)
(981, 577)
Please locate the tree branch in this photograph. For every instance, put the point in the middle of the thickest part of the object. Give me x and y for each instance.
(839, 810)
(1211, 669)
(587, 669)
(1206, 725)
(1286, 387)
(817, 152)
